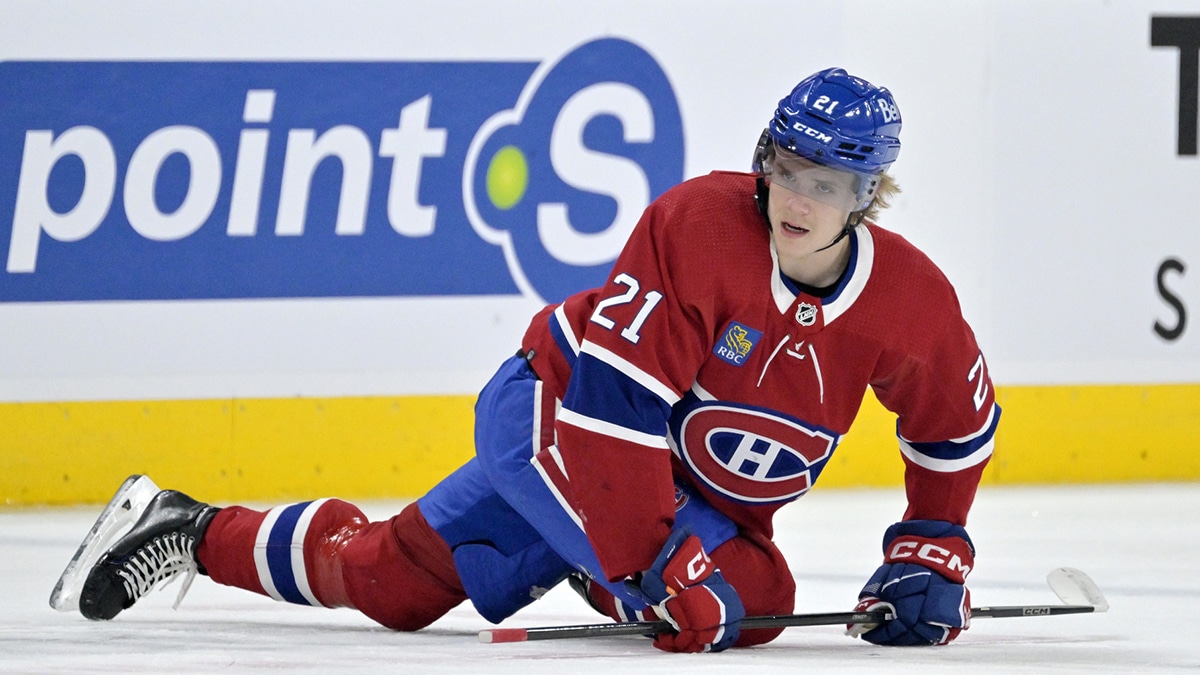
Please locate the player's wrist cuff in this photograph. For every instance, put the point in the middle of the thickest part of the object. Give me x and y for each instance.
(934, 544)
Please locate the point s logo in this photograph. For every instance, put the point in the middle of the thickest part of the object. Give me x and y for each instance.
(560, 180)
(179, 180)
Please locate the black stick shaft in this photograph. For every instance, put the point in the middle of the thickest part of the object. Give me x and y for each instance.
(1028, 610)
(751, 622)
(655, 627)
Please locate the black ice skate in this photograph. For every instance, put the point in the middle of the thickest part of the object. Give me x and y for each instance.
(160, 546)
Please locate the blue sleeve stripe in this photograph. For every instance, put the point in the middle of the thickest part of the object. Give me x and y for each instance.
(598, 391)
(647, 381)
(564, 337)
(957, 454)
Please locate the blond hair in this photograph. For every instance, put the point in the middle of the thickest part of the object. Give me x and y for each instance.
(884, 194)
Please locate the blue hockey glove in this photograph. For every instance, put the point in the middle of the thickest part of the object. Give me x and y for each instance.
(687, 589)
(923, 582)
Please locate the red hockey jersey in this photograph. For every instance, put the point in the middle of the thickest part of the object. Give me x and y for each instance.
(699, 360)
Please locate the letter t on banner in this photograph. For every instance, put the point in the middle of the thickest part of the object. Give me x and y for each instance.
(1182, 32)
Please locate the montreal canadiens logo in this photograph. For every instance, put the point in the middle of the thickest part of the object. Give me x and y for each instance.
(751, 455)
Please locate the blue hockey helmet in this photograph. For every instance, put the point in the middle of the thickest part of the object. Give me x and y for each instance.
(838, 121)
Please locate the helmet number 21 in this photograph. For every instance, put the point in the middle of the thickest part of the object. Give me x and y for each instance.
(825, 104)
(649, 301)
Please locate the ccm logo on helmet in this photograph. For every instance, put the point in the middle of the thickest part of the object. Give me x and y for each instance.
(813, 133)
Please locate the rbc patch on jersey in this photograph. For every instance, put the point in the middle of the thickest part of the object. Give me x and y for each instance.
(735, 345)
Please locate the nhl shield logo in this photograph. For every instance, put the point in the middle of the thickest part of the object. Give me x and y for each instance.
(806, 314)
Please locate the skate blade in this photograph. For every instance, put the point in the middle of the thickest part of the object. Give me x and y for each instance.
(126, 506)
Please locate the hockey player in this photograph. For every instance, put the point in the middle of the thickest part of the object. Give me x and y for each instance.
(647, 431)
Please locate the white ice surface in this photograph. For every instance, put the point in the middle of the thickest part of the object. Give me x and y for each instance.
(1141, 544)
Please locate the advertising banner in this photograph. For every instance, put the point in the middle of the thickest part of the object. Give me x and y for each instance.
(237, 216)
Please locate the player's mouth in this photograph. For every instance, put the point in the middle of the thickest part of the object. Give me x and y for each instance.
(793, 229)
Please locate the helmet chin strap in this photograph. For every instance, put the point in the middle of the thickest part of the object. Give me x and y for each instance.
(851, 223)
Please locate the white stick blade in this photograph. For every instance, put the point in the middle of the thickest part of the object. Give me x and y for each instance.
(1074, 587)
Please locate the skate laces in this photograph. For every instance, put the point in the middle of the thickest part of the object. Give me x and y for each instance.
(162, 559)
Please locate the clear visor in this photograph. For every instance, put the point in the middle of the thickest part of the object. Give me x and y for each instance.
(843, 190)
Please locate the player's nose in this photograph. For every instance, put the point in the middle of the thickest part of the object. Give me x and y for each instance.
(799, 203)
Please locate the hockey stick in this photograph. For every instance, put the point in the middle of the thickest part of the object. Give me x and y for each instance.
(1075, 589)
(655, 627)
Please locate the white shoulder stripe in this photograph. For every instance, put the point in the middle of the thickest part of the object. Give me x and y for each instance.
(560, 315)
(611, 430)
(631, 371)
(947, 465)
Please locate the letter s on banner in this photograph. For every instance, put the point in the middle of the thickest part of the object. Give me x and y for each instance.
(597, 172)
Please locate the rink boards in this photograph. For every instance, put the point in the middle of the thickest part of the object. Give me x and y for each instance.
(388, 447)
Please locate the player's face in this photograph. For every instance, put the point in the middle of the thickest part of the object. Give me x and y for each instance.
(825, 184)
(801, 225)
